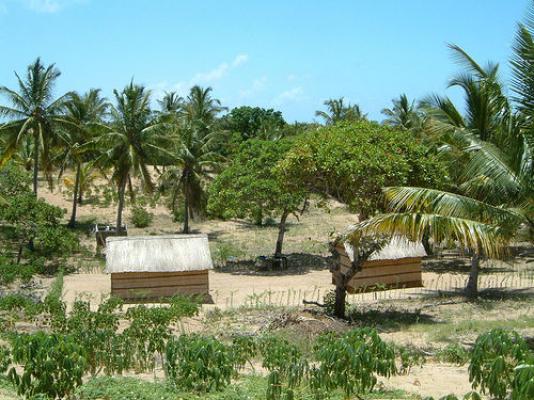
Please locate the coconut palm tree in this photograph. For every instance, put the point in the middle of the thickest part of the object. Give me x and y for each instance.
(33, 112)
(195, 157)
(338, 111)
(130, 141)
(85, 113)
(494, 197)
(171, 102)
(404, 114)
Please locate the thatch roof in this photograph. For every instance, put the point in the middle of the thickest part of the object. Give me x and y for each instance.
(169, 253)
(398, 247)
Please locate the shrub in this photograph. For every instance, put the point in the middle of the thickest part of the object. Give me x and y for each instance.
(50, 365)
(454, 354)
(409, 357)
(141, 218)
(198, 363)
(523, 384)
(350, 362)
(286, 367)
(493, 359)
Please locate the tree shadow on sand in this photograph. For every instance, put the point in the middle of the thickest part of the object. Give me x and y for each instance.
(297, 264)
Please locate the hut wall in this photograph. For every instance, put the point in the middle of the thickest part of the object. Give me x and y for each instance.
(143, 286)
(378, 275)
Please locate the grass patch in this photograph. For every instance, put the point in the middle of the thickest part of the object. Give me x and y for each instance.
(250, 387)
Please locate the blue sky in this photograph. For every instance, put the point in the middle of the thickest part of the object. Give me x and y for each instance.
(288, 55)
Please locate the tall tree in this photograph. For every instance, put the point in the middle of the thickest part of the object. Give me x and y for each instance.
(171, 102)
(196, 138)
(403, 114)
(85, 113)
(253, 186)
(338, 111)
(132, 137)
(33, 112)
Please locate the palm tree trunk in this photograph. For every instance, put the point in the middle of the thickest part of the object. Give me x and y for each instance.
(281, 233)
(471, 290)
(122, 190)
(35, 162)
(130, 189)
(72, 222)
(186, 211)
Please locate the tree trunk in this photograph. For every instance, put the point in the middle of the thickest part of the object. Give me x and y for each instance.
(281, 233)
(186, 211)
(341, 296)
(35, 162)
(426, 243)
(471, 290)
(72, 222)
(122, 190)
(130, 189)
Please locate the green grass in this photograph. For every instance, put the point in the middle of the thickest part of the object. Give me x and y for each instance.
(248, 388)
(449, 332)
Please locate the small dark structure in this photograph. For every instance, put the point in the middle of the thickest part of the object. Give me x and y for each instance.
(102, 232)
(152, 268)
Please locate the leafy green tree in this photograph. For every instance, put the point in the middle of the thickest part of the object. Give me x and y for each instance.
(254, 122)
(253, 186)
(338, 111)
(352, 162)
(34, 223)
(404, 114)
(35, 113)
(132, 137)
(85, 114)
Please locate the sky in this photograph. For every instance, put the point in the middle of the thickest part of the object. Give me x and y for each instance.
(290, 55)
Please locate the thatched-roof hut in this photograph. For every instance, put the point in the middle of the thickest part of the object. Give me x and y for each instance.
(396, 265)
(146, 268)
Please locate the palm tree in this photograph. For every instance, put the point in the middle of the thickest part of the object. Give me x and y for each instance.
(35, 113)
(85, 113)
(171, 102)
(130, 140)
(403, 114)
(494, 197)
(195, 154)
(338, 111)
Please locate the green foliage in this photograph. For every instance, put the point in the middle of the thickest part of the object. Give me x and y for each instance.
(34, 223)
(224, 251)
(453, 353)
(149, 329)
(252, 187)
(199, 363)
(141, 218)
(493, 359)
(353, 162)
(10, 271)
(5, 359)
(350, 362)
(243, 350)
(51, 364)
(286, 366)
(523, 383)
(96, 332)
(409, 357)
(253, 123)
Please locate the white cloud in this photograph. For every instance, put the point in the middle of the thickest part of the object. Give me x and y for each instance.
(290, 95)
(257, 86)
(239, 59)
(40, 6)
(220, 71)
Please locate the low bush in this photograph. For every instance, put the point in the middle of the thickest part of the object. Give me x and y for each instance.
(199, 363)
(494, 358)
(454, 354)
(51, 365)
(141, 218)
(350, 362)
